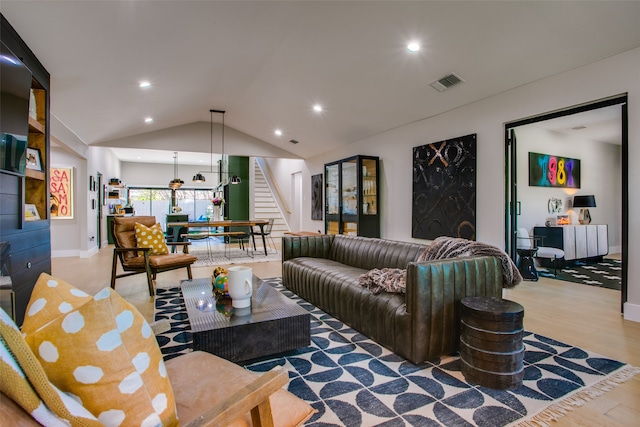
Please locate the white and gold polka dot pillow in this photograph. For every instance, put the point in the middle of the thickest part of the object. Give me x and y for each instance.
(105, 353)
(51, 298)
(151, 237)
(23, 380)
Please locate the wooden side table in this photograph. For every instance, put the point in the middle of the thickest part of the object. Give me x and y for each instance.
(491, 346)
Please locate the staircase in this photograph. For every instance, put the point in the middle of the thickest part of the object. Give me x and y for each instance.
(265, 206)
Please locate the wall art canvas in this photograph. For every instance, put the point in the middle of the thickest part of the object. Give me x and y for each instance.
(546, 170)
(444, 189)
(61, 189)
(316, 197)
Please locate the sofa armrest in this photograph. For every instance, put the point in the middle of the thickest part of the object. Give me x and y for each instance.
(434, 291)
(306, 246)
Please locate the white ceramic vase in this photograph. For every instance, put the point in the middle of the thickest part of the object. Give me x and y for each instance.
(240, 285)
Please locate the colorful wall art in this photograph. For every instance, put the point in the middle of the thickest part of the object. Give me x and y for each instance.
(546, 170)
(444, 189)
(61, 189)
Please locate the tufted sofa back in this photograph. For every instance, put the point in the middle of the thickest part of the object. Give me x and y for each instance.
(368, 253)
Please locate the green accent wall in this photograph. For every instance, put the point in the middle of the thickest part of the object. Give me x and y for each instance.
(238, 194)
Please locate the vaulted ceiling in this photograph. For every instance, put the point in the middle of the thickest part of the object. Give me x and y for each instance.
(268, 63)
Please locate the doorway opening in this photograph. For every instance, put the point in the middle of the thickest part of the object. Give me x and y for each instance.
(517, 175)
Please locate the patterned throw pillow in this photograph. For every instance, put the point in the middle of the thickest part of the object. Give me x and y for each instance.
(151, 237)
(25, 382)
(105, 353)
(50, 299)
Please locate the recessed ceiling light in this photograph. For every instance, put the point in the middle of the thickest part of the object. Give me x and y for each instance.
(413, 46)
(145, 84)
(148, 120)
(317, 108)
(278, 132)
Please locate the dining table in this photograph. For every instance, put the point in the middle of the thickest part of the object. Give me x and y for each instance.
(176, 226)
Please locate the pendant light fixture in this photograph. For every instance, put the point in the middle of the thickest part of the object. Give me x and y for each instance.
(176, 182)
(223, 175)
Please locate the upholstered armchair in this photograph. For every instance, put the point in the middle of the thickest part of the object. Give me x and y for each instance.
(136, 259)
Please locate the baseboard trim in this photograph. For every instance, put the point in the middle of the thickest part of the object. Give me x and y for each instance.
(65, 254)
(631, 312)
(74, 253)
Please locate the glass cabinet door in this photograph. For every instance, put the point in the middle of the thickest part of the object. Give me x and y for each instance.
(332, 186)
(350, 197)
(369, 187)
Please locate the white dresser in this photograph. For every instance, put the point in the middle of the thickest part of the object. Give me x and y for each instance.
(577, 241)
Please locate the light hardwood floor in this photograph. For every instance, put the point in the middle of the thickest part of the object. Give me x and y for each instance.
(585, 316)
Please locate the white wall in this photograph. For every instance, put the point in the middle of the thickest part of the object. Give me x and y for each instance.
(602, 79)
(600, 166)
(78, 236)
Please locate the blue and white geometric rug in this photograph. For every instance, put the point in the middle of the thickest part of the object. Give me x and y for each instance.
(353, 381)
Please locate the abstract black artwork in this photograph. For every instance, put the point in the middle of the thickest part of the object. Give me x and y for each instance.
(444, 189)
(316, 197)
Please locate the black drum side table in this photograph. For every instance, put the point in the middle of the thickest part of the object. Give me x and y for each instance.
(491, 346)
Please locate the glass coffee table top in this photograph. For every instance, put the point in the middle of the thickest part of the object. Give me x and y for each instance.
(272, 324)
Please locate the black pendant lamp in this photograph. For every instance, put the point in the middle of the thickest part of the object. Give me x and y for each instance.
(199, 177)
(176, 182)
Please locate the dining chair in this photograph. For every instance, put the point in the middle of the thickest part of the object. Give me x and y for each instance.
(266, 232)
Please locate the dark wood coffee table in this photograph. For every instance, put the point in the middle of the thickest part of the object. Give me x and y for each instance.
(273, 324)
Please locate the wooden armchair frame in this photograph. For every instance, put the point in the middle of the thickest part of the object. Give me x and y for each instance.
(253, 397)
(152, 264)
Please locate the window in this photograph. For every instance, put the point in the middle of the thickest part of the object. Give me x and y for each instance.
(157, 201)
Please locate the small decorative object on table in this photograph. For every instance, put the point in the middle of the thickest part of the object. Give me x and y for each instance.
(217, 202)
(220, 282)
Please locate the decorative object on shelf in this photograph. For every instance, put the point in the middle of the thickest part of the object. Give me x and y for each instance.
(316, 197)
(31, 212)
(584, 202)
(546, 170)
(34, 159)
(33, 105)
(176, 209)
(554, 205)
(222, 174)
(444, 189)
(61, 192)
(176, 182)
(563, 220)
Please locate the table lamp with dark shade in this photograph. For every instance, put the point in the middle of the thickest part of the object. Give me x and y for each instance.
(584, 202)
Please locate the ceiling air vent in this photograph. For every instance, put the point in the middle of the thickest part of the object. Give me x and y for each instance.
(446, 82)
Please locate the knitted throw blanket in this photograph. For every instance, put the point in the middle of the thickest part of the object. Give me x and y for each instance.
(394, 279)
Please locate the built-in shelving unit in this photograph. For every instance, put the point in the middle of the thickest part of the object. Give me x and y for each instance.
(25, 239)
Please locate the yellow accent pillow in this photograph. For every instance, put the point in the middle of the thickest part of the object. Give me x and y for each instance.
(151, 237)
(50, 299)
(24, 381)
(105, 353)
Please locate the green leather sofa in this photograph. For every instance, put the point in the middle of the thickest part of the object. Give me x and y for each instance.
(420, 325)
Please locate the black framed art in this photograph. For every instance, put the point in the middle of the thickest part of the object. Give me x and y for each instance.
(316, 197)
(444, 189)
